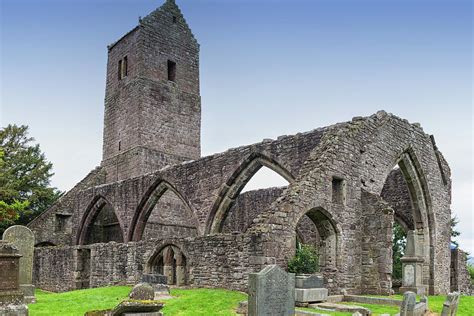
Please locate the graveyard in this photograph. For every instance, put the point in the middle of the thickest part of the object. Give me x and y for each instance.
(160, 229)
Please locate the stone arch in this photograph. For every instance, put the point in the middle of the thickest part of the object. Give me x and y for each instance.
(423, 220)
(111, 231)
(234, 185)
(170, 261)
(328, 247)
(147, 204)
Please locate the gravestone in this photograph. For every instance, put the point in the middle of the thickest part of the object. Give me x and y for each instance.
(408, 304)
(142, 291)
(271, 292)
(412, 266)
(24, 240)
(11, 297)
(450, 306)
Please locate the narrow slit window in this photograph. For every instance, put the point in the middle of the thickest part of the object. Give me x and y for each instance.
(120, 145)
(337, 190)
(120, 70)
(171, 70)
(125, 66)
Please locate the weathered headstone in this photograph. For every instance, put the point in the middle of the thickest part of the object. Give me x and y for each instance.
(24, 240)
(271, 292)
(142, 291)
(309, 281)
(11, 297)
(450, 306)
(408, 304)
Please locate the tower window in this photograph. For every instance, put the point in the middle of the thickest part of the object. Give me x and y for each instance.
(120, 145)
(125, 66)
(122, 68)
(171, 70)
(337, 190)
(119, 70)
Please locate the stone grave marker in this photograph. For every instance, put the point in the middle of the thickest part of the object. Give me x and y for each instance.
(24, 240)
(271, 292)
(450, 305)
(408, 304)
(11, 297)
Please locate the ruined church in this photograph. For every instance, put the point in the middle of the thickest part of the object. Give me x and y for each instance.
(154, 205)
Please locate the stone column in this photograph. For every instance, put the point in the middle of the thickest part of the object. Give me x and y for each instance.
(180, 269)
(24, 240)
(11, 297)
(168, 265)
(412, 266)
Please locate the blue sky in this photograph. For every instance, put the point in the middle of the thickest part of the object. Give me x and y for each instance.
(268, 68)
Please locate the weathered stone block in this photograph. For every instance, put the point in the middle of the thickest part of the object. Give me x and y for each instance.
(309, 281)
(311, 295)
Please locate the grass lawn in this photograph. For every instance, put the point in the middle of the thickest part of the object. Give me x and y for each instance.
(203, 302)
(77, 302)
(435, 303)
(189, 302)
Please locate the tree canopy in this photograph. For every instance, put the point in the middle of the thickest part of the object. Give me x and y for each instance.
(25, 178)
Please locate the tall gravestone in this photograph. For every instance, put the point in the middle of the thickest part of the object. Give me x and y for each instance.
(271, 292)
(412, 266)
(11, 297)
(24, 240)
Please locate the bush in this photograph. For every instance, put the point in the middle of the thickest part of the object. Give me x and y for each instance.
(306, 260)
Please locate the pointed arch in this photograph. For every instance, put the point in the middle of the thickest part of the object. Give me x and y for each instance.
(148, 202)
(96, 206)
(234, 185)
(421, 205)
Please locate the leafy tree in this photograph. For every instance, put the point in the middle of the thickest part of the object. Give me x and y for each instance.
(399, 238)
(306, 260)
(25, 174)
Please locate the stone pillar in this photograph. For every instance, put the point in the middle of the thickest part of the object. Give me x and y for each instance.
(412, 266)
(180, 269)
(168, 269)
(24, 240)
(11, 297)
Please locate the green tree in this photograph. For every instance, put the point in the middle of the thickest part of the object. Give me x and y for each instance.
(25, 175)
(454, 232)
(399, 238)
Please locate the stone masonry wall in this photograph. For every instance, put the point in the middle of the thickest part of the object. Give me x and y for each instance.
(460, 277)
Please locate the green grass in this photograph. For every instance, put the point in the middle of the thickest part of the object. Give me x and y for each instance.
(203, 302)
(187, 301)
(435, 303)
(77, 302)
(193, 302)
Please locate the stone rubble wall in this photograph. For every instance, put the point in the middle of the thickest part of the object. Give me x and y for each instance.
(460, 277)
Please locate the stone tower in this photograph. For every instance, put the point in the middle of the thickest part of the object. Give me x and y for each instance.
(152, 102)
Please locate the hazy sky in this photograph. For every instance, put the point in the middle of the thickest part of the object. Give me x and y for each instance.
(268, 68)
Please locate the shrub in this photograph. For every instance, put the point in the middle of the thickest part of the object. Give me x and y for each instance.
(306, 260)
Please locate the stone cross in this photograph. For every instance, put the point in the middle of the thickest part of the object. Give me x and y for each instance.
(408, 304)
(271, 292)
(24, 240)
(450, 306)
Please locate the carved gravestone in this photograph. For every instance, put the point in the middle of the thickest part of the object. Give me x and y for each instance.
(408, 304)
(271, 292)
(450, 306)
(11, 297)
(24, 240)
